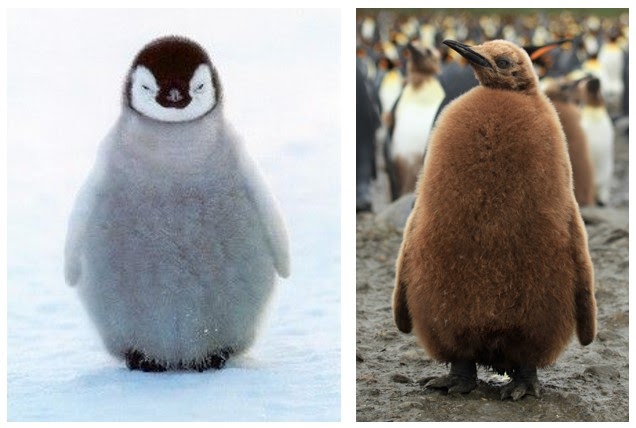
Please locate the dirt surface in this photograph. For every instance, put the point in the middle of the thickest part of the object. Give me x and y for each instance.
(586, 383)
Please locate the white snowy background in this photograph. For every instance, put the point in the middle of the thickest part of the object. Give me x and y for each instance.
(280, 70)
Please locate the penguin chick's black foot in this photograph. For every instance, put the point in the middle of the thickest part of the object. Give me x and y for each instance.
(213, 361)
(136, 360)
(524, 381)
(461, 379)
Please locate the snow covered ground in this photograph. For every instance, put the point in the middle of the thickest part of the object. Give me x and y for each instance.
(280, 70)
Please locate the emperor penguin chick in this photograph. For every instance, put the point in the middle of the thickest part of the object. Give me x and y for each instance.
(413, 117)
(599, 129)
(560, 94)
(494, 267)
(175, 241)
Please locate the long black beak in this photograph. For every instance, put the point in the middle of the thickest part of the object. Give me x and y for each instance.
(468, 53)
(538, 51)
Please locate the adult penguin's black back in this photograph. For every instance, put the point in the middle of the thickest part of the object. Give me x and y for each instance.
(367, 121)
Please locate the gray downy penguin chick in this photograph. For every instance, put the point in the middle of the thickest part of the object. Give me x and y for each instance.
(494, 268)
(175, 241)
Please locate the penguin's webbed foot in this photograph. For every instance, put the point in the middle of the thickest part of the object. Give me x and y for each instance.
(452, 384)
(461, 379)
(524, 381)
(136, 360)
(213, 361)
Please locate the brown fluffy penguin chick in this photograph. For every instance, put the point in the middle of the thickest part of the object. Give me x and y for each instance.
(494, 268)
(569, 113)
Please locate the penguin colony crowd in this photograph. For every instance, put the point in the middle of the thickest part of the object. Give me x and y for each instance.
(410, 76)
(502, 136)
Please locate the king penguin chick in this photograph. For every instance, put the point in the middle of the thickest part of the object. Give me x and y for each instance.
(175, 241)
(494, 267)
(413, 116)
(560, 94)
(598, 127)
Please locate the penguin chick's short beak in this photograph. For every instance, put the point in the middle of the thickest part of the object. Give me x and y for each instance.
(468, 53)
(173, 98)
(174, 95)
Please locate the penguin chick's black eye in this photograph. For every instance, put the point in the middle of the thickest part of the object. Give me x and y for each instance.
(199, 87)
(145, 87)
(503, 63)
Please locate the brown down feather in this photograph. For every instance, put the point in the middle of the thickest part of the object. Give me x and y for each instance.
(494, 265)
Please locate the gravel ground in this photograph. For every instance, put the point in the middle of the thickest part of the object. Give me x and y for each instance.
(585, 384)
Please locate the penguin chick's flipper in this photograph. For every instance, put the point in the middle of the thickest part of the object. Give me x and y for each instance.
(136, 360)
(270, 218)
(461, 379)
(524, 381)
(584, 292)
(72, 269)
(74, 245)
(401, 314)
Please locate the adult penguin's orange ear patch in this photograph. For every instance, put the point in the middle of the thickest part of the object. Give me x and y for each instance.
(536, 52)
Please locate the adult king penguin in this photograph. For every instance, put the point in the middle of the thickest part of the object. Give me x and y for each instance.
(413, 117)
(494, 267)
(599, 129)
(612, 61)
(175, 241)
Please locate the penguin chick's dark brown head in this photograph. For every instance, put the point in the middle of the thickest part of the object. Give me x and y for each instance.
(590, 89)
(559, 89)
(423, 60)
(499, 64)
(173, 80)
(563, 89)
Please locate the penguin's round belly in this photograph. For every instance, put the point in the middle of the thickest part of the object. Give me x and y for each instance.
(183, 289)
(488, 291)
(493, 303)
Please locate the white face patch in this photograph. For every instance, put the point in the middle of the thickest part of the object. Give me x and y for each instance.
(144, 89)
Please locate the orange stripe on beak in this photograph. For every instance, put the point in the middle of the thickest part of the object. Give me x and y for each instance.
(539, 52)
